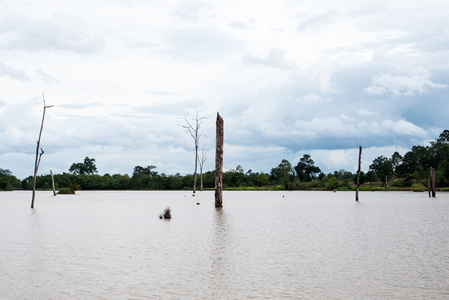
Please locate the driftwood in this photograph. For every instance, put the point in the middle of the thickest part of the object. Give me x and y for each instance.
(358, 175)
(38, 156)
(219, 162)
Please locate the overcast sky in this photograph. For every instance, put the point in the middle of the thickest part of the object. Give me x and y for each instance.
(288, 77)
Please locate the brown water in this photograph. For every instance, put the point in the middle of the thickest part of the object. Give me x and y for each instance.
(260, 245)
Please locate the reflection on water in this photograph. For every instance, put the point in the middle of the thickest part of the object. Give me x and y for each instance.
(281, 245)
(220, 256)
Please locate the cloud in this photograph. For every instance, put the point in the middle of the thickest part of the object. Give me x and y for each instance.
(365, 112)
(403, 85)
(287, 77)
(316, 22)
(13, 73)
(198, 44)
(239, 25)
(45, 77)
(191, 11)
(63, 33)
(275, 59)
(312, 98)
(347, 159)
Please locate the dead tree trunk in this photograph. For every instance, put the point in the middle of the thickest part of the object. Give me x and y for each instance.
(203, 159)
(53, 183)
(38, 156)
(358, 175)
(434, 188)
(429, 187)
(219, 162)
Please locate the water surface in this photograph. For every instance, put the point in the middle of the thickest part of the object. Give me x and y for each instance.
(270, 245)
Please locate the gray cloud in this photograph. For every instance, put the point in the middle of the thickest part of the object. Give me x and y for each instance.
(65, 33)
(13, 73)
(45, 77)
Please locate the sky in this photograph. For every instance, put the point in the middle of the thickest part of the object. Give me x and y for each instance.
(289, 78)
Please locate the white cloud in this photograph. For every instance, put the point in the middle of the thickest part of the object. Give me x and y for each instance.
(313, 98)
(365, 112)
(417, 81)
(275, 59)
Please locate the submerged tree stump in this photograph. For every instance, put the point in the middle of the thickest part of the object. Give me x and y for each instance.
(219, 162)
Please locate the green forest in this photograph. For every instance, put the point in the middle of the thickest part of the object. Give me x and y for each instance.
(408, 172)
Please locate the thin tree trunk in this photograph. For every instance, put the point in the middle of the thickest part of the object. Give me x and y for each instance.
(38, 156)
(434, 188)
(358, 175)
(201, 179)
(196, 161)
(386, 182)
(194, 132)
(53, 183)
(203, 159)
(429, 188)
(219, 162)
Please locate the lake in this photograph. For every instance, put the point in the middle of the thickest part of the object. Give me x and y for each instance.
(260, 245)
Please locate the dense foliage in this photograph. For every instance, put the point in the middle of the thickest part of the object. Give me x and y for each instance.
(410, 171)
(8, 182)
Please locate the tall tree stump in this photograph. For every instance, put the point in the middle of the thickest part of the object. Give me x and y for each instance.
(53, 183)
(434, 188)
(358, 175)
(219, 162)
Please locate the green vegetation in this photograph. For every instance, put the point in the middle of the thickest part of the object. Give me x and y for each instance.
(408, 172)
(69, 190)
(66, 191)
(8, 182)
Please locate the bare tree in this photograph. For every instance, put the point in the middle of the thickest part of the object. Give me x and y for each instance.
(203, 159)
(193, 126)
(38, 156)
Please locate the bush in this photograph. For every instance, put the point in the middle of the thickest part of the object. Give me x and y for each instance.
(397, 183)
(418, 187)
(66, 191)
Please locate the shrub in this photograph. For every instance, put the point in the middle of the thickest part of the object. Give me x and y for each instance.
(66, 191)
(166, 214)
(418, 187)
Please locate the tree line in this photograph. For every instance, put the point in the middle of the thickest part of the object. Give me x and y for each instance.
(397, 172)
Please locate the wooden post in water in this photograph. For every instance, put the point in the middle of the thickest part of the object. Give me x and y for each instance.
(434, 188)
(53, 183)
(219, 162)
(358, 175)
